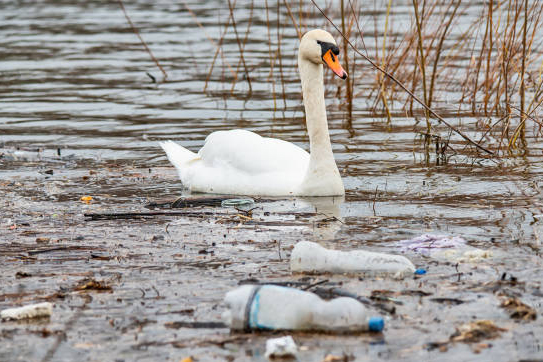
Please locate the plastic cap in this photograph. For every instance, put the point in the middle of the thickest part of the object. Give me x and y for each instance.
(420, 271)
(376, 324)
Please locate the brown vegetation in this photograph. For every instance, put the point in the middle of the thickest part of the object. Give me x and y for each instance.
(477, 69)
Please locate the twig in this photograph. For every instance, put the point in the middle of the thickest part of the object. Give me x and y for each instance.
(374, 200)
(422, 58)
(401, 85)
(526, 115)
(298, 31)
(250, 22)
(523, 73)
(135, 30)
(195, 324)
(139, 215)
(240, 47)
(358, 27)
(58, 248)
(217, 51)
(438, 53)
(280, 56)
(315, 284)
(272, 58)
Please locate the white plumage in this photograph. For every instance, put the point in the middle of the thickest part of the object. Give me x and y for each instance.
(240, 162)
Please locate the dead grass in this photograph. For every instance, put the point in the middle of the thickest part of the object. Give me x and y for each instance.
(483, 64)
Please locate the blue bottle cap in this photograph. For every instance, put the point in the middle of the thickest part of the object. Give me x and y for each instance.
(420, 271)
(376, 324)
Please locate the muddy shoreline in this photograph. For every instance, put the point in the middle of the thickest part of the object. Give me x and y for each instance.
(80, 126)
(157, 282)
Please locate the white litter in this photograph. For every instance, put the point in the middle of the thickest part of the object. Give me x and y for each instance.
(447, 248)
(309, 257)
(28, 311)
(273, 307)
(281, 347)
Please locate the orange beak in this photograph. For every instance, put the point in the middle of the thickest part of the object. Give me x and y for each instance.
(332, 61)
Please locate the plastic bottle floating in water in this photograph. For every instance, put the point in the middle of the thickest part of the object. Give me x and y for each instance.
(271, 307)
(309, 257)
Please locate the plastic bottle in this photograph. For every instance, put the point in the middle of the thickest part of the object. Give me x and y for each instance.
(272, 307)
(44, 309)
(309, 257)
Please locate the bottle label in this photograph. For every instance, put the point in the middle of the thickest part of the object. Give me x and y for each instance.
(250, 313)
(263, 303)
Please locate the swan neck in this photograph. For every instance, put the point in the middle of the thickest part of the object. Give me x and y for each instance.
(322, 177)
(311, 75)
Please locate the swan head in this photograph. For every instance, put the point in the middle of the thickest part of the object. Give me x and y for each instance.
(319, 47)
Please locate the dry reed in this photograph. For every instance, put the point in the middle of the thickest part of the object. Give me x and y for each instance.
(481, 64)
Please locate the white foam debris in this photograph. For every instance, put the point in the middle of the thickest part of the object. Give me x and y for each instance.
(28, 311)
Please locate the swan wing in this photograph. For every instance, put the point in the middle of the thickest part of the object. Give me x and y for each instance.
(248, 152)
(240, 162)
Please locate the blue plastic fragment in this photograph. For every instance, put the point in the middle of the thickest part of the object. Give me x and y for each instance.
(420, 271)
(376, 324)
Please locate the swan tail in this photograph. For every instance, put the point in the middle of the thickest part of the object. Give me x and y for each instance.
(178, 155)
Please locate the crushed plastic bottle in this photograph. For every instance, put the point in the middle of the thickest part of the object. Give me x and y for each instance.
(309, 257)
(272, 307)
(29, 311)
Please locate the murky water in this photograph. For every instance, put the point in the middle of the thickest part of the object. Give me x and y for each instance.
(79, 115)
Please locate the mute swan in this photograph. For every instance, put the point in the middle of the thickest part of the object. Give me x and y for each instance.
(240, 162)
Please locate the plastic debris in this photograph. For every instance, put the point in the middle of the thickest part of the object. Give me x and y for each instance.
(425, 243)
(450, 248)
(271, 307)
(309, 257)
(281, 347)
(86, 199)
(237, 202)
(29, 311)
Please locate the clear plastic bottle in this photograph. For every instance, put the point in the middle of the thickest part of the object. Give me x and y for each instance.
(309, 257)
(272, 307)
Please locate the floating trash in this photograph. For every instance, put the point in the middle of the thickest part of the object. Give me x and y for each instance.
(272, 307)
(237, 202)
(86, 199)
(420, 271)
(450, 248)
(309, 257)
(29, 311)
(424, 244)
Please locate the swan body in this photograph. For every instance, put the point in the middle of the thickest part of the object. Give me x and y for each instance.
(241, 162)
